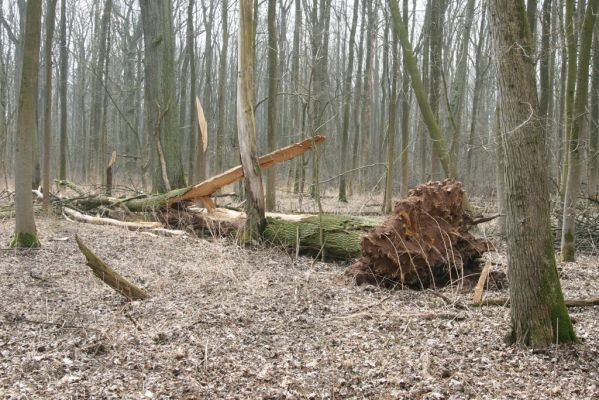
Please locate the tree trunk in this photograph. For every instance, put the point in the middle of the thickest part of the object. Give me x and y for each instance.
(222, 76)
(50, 22)
(538, 314)
(64, 74)
(569, 91)
(246, 125)
(428, 116)
(25, 231)
(405, 117)
(391, 129)
(594, 116)
(347, 102)
(160, 93)
(572, 189)
(96, 158)
(273, 82)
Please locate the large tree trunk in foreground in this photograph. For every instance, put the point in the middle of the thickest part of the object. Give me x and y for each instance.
(25, 232)
(538, 314)
(425, 242)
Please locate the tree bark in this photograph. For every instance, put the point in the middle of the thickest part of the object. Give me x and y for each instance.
(437, 136)
(64, 74)
(222, 76)
(538, 314)
(246, 125)
(50, 22)
(25, 231)
(273, 82)
(575, 154)
(160, 92)
(347, 102)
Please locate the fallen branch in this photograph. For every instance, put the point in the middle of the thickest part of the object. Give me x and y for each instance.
(504, 302)
(109, 276)
(76, 215)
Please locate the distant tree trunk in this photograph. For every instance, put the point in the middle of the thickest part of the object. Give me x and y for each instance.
(545, 80)
(254, 206)
(572, 189)
(368, 89)
(436, 59)
(594, 115)
(569, 90)
(64, 75)
(25, 231)
(538, 314)
(96, 157)
(347, 103)
(391, 130)
(201, 157)
(428, 116)
(405, 118)
(50, 22)
(460, 81)
(273, 82)
(3, 104)
(222, 76)
(297, 104)
(320, 81)
(160, 94)
(479, 67)
(195, 171)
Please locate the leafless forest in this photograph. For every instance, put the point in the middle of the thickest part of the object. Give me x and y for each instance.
(299, 199)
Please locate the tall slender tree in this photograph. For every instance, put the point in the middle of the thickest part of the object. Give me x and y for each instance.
(579, 117)
(273, 81)
(64, 72)
(50, 22)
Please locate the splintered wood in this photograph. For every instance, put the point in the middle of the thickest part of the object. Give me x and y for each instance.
(211, 185)
(424, 243)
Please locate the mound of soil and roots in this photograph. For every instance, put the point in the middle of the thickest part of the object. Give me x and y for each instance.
(425, 242)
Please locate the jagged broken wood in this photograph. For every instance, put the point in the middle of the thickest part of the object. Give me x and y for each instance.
(206, 188)
(109, 276)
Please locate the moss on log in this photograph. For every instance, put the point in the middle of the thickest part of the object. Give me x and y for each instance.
(342, 234)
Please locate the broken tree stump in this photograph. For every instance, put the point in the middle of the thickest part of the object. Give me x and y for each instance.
(424, 243)
(109, 276)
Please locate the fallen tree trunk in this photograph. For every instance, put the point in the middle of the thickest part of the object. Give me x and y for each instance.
(342, 234)
(206, 188)
(109, 276)
(425, 241)
(76, 215)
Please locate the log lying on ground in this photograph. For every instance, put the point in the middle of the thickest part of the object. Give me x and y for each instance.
(109, 276)
(206, 188)
(424, 243)
(342, 234)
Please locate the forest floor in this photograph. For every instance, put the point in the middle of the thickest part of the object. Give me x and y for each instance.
(227, 322)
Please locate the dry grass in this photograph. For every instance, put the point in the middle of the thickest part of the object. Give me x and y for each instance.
(226, 322)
